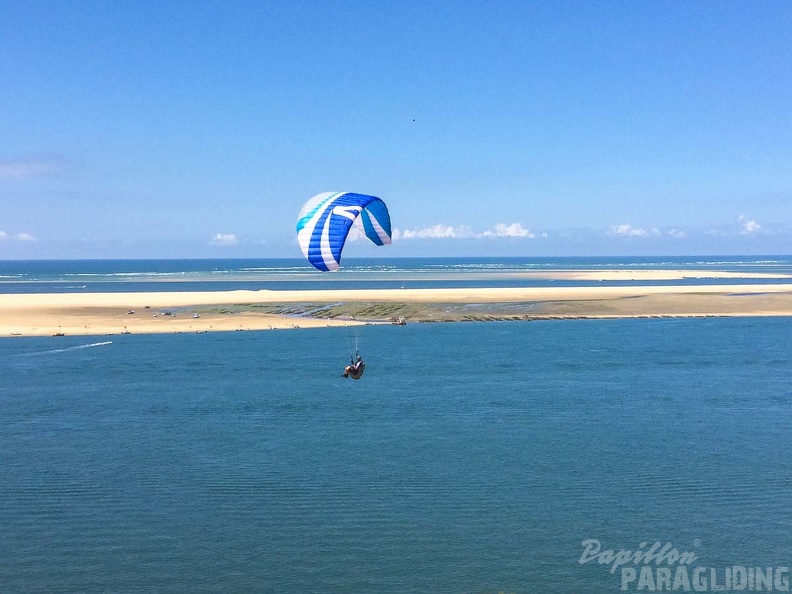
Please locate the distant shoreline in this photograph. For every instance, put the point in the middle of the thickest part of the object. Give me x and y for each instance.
(46, 314)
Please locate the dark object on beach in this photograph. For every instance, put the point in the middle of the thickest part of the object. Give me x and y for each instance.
(59, 334)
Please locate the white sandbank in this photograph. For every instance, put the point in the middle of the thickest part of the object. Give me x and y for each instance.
(107, 313)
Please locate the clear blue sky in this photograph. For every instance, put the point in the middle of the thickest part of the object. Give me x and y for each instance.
(198, 129)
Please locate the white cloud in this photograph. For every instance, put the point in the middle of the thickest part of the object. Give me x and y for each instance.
(676, 233)
(27, 168)
(17, 237)
(744, 226)
(630, 231)
(224, 239)
(462, 232)
(504, 230)
(748, 226)
(436, 232)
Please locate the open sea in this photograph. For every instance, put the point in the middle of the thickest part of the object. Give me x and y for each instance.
(471, 458)
(96, 276)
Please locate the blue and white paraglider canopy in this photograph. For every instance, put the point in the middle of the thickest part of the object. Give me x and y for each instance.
(326, 219)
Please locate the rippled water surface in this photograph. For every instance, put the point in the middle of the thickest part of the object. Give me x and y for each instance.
(471, 458)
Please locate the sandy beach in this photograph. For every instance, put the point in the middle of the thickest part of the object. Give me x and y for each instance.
(650, 275)
(47, 314)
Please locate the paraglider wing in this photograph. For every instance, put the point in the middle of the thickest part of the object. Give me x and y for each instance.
(325, 221)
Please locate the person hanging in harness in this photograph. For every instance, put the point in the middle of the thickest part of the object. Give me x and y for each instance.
(355, 369)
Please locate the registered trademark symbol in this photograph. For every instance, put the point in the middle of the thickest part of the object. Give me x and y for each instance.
(696, 542)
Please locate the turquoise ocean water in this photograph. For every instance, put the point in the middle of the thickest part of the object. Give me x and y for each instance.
(472, 457)
(76, 276)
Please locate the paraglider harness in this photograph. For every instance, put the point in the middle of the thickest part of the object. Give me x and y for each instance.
(356, 367)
